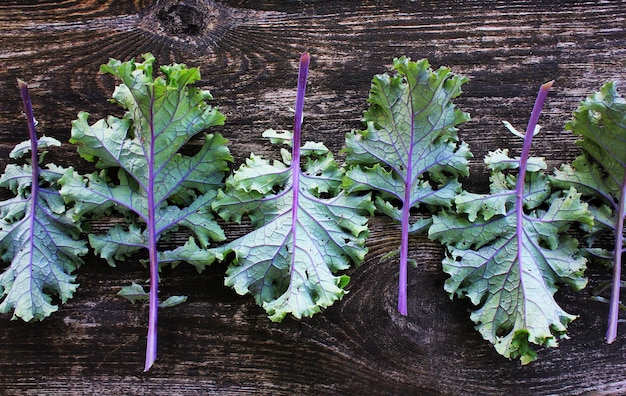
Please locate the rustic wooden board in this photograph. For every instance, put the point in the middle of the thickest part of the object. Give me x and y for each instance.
(221, 343)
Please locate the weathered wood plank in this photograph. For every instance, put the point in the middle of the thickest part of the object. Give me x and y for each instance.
(221, 343)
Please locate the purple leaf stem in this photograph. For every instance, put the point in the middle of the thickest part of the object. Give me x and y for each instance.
(404, 244)
(295, 144)
(30, 119)
(611, 333)
(519, 187)
(297, 123)
(151, 346)
(34, 187)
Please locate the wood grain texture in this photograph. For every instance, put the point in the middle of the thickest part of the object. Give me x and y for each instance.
(221, 343)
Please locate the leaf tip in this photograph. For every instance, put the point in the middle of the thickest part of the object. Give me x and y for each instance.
(149, 364)
(548, 85)
(305, 58)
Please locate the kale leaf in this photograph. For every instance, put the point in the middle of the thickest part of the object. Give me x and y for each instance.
(37, 234)
(410, 152)
(508, 250)
(143, 174)
(307, 228)
(599, 173)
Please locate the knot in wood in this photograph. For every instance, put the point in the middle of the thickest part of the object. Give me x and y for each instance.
(182, 18)
(195, 22)
(199, 23)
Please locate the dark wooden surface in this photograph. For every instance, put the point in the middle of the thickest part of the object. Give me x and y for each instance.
(220, 343)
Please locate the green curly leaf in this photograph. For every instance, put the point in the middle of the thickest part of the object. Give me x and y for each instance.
(513, 289)
(409, 153)
(307, 228)
(145, 178)
(37, 235)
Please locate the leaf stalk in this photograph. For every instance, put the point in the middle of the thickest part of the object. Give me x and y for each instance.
(523, 164)
(32, 132)
(611, 333)
(151, 346)
(295, 144)
(34, 187)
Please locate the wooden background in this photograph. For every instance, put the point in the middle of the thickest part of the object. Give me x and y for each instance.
(221, 343)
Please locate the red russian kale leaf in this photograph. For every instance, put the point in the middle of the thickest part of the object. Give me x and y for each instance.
(410, 152)
(600, 175)
(307, 228)
(508, 250)
(144, 176)
(37, 235)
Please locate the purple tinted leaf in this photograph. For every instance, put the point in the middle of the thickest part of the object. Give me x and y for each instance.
(307, 228)
(507, 251)
(36, 234)
(162, 187)
(410, 152)
(600, 174)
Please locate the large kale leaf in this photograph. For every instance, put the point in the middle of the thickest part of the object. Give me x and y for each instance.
(410, 152)
(307, 228)
(144, 175)
(509, 249)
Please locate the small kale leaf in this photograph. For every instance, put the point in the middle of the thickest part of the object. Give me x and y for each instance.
(37, 235)
(135, 292)
(410, 152)
(143, 174)
(599, 173)
(307, 228)
(508, 250)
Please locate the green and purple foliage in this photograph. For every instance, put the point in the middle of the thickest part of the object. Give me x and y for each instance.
(410, 153)
(144, 176)
(508, 250)
(37, 235)
(307, 228)
(600, 175)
